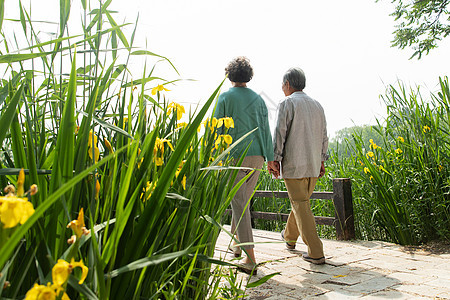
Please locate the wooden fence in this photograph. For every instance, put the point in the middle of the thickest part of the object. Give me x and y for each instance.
(343, 204)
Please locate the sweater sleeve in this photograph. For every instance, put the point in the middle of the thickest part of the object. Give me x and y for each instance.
(268, 145)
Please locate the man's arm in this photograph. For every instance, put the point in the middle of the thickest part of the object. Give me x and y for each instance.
(280, 133)
(324, 141)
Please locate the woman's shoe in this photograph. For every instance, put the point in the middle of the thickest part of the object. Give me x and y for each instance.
(236, 251)
(248, 268)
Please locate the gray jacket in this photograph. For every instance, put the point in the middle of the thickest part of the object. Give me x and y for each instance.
(300, 140)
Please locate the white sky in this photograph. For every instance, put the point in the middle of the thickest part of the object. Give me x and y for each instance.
(343, 47)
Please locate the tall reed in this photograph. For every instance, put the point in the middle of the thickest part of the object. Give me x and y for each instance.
(126, 190)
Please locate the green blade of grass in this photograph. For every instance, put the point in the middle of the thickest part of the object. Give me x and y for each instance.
(8, 115)
(149, 261)
(10, 58)
(2, 12)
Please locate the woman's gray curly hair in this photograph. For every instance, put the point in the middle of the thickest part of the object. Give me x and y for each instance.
(239, 70)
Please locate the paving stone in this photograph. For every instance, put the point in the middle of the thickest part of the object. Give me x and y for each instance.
(335, 270)
(440, 282)
(353, 278)
(441, 271)
(276, 297)
(391, 294)
(411, 278)
(394, 264)
(425, 291)
(313, 278)
(374, 284)
(344, 260)
(292, 270)
(336, 295)
(301, 292)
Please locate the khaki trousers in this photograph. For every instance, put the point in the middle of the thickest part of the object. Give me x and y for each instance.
(241, 218)
(301, 220)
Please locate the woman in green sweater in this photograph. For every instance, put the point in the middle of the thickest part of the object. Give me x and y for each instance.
(248, 111)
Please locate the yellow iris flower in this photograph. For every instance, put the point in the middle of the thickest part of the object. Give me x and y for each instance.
(97, 189)
(401, 139)
(148, 190)
(172, 107)
(226, 138)
(20, 182)
(383, 169)
(159, 146)
(426, 128)
(370, 154)
(366, 170)
(159, 88)
(228, 122)
(159, 161)
(13, 209)
(42, 292)
(62, 270)
(177, 172)
(183, 182)
(373, 145)
(211, 123)
(398, 151)
(78, 227)
(214, 123)
(93, 145)
(108, 146)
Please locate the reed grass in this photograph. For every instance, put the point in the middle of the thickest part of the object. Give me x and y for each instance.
(111, 158)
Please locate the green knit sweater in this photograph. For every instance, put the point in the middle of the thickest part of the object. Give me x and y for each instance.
(248, 111)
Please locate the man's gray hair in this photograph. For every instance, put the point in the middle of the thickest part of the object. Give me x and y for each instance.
(296, 78)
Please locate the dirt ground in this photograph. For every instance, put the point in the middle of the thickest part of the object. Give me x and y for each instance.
(433, 247)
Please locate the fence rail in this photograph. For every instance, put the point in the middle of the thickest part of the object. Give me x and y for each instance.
(341, 195)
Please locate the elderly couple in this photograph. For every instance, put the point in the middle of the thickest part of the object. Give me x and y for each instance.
(297, 154)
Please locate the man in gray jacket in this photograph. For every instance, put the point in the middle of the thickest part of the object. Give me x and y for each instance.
(300, 145)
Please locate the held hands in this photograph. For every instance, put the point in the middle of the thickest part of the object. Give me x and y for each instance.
(322, 170)
(274, 168)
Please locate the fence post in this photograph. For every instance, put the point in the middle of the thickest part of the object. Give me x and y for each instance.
(343, 204)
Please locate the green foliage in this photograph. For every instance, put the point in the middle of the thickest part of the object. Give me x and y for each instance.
(94, 138)
(401, 183)
(421, 24)
(344, 135)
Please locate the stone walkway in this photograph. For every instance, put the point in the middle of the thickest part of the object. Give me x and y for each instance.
(355, 269)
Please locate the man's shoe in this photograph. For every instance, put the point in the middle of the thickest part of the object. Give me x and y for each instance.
(248, 268)
(289, 246)
(316, 261)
